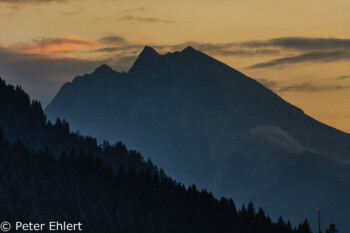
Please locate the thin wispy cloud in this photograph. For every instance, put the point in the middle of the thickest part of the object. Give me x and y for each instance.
(306, 50)
(306, 57)
(278, 137)
(268, 83)
(142, 8)
(343, 77)
(12, 7)
(309, 87)
(279, 86)
(143, 19)
(31, 1)
(301, 43)
(250, 53)
(52, 45)
(113, 40)
(69, 13)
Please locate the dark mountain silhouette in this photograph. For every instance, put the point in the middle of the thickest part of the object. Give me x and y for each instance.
(207, 123)
(25, 120)
(77, 187)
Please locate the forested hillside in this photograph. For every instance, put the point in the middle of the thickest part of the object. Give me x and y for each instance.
(76, 187)
(22, 119)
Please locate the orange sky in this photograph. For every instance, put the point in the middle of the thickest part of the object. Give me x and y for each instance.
(302, 47)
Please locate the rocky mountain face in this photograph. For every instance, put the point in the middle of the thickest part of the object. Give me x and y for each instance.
(209, 124)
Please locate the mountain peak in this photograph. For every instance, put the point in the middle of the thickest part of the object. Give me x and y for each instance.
(189, 49)
(103, 69)
(145, 60)
(148, 51)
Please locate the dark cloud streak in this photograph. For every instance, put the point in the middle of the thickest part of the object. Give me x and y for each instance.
(112, 40)
(307, 49)
(301, 43)
(31, 1)
(299, 87)
(144, 19)
(307, 57)
(142, 8)
(268, 83)
(309, 87)
(343, 77)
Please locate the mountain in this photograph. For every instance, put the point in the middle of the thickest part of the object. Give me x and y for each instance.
(207, 123)
(43, 186)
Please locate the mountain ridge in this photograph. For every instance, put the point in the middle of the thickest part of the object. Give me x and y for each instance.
(205, 122)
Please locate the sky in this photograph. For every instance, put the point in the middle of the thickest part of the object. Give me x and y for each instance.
(299, 49)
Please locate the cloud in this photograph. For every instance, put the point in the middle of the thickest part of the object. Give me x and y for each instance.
(52, 45)
(301, 43)
(299, 50)
(30, 1)
(112, 40)
(309, 87)
(144, 19)
(142, 8)
(305, 50)
(14, 6)
(299, 87)
(342, 77)
(9, 10)
(11, 7)
(241, 52)
(268, 83)
(306, 57)
(75, 12)
(278, 137)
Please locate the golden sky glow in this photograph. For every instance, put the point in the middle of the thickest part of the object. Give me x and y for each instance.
(302, 47)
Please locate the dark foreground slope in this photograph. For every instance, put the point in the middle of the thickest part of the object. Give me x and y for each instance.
(207, 123)
(39, 187)
(24, 120)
